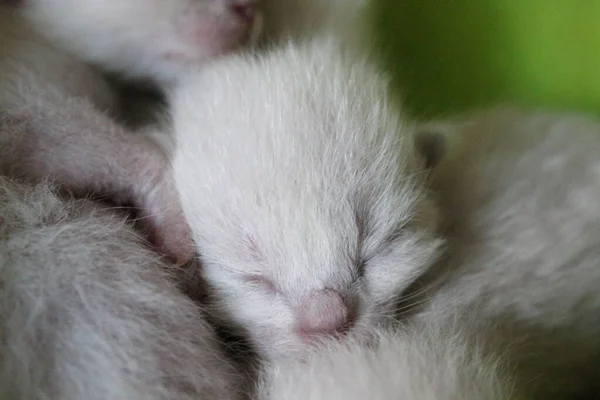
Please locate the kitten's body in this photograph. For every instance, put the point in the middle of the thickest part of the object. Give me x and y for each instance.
(429, 363)
(89, 312)
(520, 193)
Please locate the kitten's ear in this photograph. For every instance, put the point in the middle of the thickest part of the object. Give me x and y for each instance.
(432, 145)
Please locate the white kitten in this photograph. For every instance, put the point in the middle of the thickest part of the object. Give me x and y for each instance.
(306, 197)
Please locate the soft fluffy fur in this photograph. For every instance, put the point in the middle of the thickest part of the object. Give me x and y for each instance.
(298, 175)
(520, 191)
(429, 363)
(153, 40)
(88, 312)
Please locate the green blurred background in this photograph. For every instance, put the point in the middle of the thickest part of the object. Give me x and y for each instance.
(448, 56)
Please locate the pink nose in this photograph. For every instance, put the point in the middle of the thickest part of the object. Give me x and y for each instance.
(324, 312)
(245, 9)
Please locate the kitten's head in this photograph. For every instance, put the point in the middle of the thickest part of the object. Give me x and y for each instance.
(305, 192)
(147, 39)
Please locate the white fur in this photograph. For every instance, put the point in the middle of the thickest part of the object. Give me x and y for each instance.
(147, 39)
(432, 363)
(282, 160)
(88, 312)
(520, 191)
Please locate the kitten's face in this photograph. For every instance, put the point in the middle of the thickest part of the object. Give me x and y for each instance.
(305, 194)
(307, 268)
(148, 39)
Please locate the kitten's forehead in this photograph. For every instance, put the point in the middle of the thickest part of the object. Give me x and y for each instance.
(303, 230)
(287, 149)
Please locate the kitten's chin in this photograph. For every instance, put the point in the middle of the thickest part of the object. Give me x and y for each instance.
(291, 346)
(281, 345)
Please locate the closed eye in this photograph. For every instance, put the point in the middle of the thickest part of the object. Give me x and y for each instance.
(362, 257)
(359, 260)
(262, 282)
(397, 234)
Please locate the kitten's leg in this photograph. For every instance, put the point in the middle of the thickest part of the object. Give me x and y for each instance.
(83, 150)
(88, 313)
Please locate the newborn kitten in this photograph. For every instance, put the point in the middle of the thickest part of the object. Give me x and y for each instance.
(306, 197)
(520, 194)
(53, 106)
(88, 312)
(428, 363)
